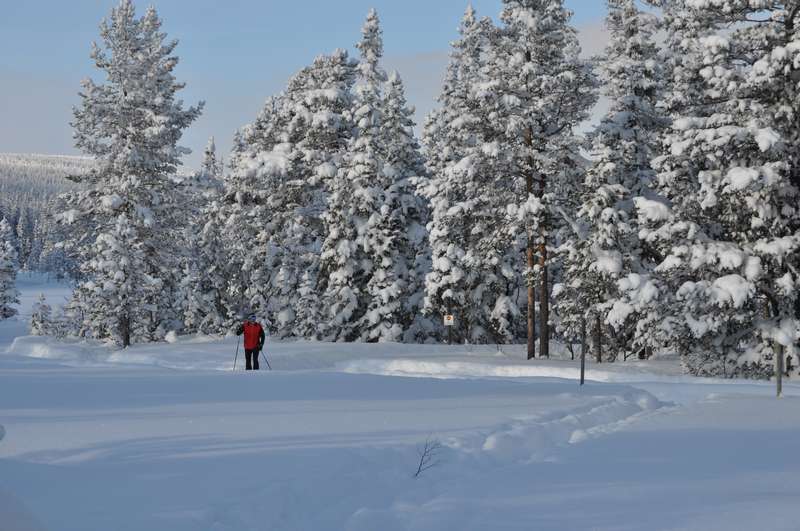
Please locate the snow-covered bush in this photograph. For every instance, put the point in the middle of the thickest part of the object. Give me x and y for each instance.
(41, 318)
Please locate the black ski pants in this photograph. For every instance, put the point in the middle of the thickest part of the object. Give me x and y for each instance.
(248, 354)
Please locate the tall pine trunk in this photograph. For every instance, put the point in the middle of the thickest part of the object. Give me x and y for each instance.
(125, 329)
(544, 305)
(530, 254)
(544, 292)
(531, 304)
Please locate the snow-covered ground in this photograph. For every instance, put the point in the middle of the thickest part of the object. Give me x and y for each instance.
(168, 437)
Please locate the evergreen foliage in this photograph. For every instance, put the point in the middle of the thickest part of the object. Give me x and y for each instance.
(728, 234)
(9, 296)
(131, 125)
(622, 145)
(679, 233)
(472, 274)
(42, 318)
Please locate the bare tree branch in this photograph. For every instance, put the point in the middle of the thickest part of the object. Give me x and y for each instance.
(428, 455)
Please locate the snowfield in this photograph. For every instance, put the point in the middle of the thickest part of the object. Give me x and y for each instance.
(168, 437)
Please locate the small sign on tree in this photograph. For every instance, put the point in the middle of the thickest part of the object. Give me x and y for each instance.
(449, 320)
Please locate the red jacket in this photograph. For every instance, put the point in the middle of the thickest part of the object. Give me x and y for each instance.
(253, 336)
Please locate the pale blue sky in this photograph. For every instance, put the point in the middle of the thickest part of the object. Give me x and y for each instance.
(233, 55)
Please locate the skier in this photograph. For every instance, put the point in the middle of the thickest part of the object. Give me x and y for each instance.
(253, 340)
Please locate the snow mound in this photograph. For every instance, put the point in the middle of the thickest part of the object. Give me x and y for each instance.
(534, 439)
(51, 348)
(455, 369)
(478, 369)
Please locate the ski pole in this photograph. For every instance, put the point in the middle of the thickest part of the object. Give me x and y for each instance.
(266, 360)
(237, 355)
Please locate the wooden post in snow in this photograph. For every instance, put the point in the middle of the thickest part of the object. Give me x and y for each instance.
(598, 339)
(544, 306)
(779, 369)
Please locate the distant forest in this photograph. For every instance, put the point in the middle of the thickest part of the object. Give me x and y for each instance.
(29, 188)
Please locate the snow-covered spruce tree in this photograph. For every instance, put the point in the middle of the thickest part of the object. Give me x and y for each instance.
(211, 266)
(254, 215)
(395, 234)
(354, 208)
(328, 133)
(543, 89)
(199, 290)
(9, 296)
(472, 256)
(26, 227)
(649, 295)
(131, 125)
(567, 232)
(681, 75)
(277, 191)
(12, 218)
(622, 146)
(40, 232)
(372, 289)
(41, 318)
(208, 309)
(401, 253)
(731, 237)
(54, 258)
(370, 47)
(212, 166)
(232, 219)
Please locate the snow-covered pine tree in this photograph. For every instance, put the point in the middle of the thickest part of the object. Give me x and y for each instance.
(9, 296)
(41, 318)
(543, 90)
(731, 236)
(472, 272)
(117, 282)
(131, 125)
(622, 146)
(354, 210)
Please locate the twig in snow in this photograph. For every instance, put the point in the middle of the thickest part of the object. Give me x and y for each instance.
(428, 455)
